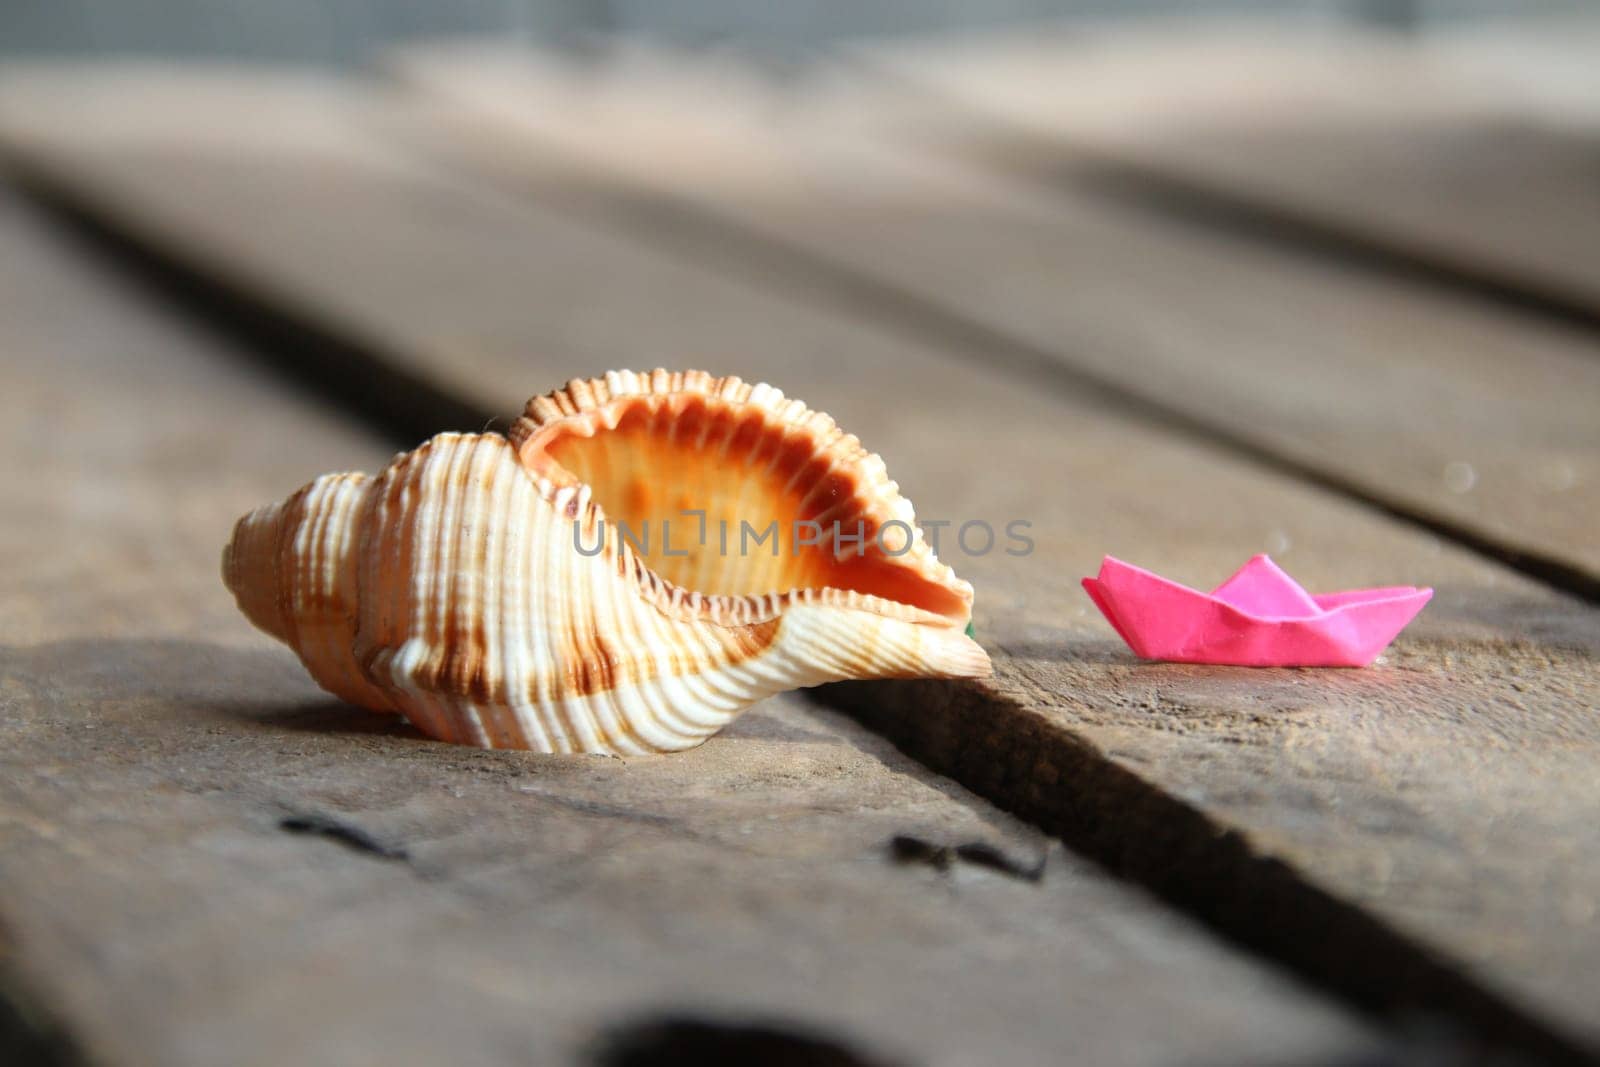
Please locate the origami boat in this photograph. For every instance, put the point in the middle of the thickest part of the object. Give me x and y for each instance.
(1260, 617)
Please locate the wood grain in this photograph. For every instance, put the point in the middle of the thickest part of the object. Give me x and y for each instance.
(1445, 791)
(1385, 388)
(206, 860)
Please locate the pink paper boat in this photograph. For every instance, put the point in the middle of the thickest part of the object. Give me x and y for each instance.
(1258, 618)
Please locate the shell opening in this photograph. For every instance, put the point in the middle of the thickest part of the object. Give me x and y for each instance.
(762, 480)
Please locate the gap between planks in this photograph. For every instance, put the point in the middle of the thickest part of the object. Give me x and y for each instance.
(1047, 775)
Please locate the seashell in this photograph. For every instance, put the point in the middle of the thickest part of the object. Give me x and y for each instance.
(548, 589)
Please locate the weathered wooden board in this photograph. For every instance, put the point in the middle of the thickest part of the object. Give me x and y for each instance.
(1433, 147)
(1447, 791)
(206, 860)
(1388, 388)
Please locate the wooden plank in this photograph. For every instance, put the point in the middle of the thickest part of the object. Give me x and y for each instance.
(207, 860)
(1387, 389)
(1447, 792)
(1434, 147)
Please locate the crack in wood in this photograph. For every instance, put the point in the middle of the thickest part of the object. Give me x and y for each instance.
(682, 1039)
(908, 848)
(353, 837)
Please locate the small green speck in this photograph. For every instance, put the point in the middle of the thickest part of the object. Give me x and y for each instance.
(970, 632)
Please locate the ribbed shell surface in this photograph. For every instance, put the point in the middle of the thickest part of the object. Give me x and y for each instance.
(473, 587)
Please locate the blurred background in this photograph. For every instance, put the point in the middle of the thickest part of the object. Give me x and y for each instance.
(337, 32)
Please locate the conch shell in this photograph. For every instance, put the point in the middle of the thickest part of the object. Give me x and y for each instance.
(477, 586)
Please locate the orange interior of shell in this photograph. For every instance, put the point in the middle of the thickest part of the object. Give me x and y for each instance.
(675, 454)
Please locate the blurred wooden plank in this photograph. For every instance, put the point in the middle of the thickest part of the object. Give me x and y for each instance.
(523, 908)
(1387, 389)
(1436, 148)
(1446, 792)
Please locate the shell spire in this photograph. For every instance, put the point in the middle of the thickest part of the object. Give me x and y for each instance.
(640, 560)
